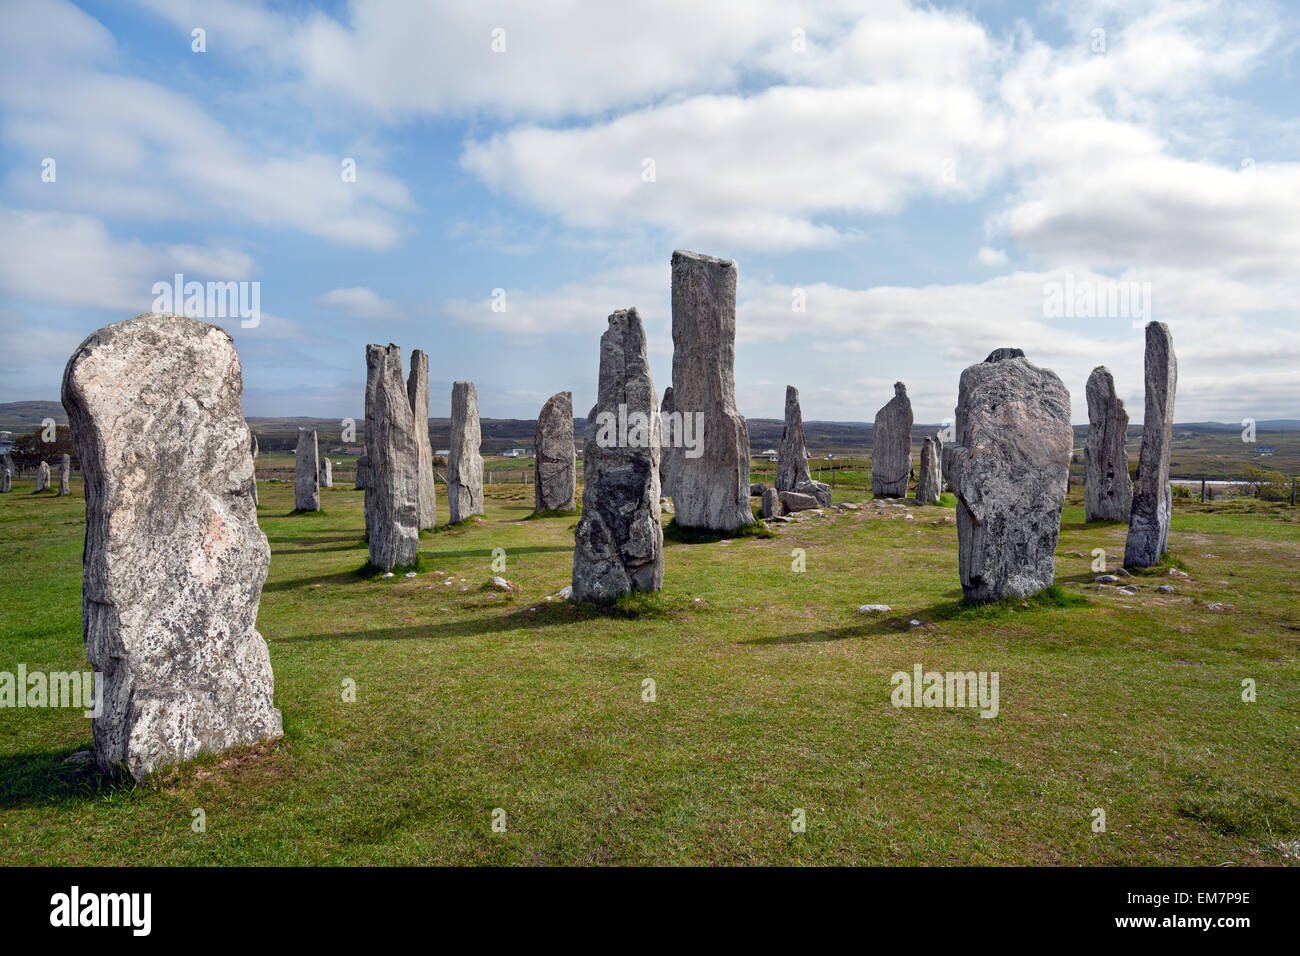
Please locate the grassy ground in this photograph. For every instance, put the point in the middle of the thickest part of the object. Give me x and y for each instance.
(772, 693)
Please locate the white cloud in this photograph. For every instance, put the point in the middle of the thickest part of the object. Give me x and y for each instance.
(362, 302)
(991, 257)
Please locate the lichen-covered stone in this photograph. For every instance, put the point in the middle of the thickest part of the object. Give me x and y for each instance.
(174, 560)
(792, 472)
(464, 464)
(770, 505)
(891, 446)
(392, 485)
(326, 473)
(306, 472)
(618, 543)
(1008, 469)
(42, 476)
(710, 491)
(929, 482)
(1148, 529)
(1107, 488)
(417, 391)
(555, 468)
(65, 474)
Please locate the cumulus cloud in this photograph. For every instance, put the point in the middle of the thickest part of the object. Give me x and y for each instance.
(362, 302)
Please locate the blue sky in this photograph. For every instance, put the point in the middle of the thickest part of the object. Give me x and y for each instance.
(923, 173)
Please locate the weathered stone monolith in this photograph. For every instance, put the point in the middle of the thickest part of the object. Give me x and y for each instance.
(392, 484)
(792, 458)
(555, 470)
(1148, 528)
(326, 472)
(710, 490)
(891, 446)
(174, 559)
(1008, 469)
(1107, 488)
(417, 391)
(6, 475)
(669, 426)
(252, 448)
(464, 464)
(42, 476)
(618, 544)
(363, 469)
(65, 475)
(929, 481)
(770, 505)
(306, 472)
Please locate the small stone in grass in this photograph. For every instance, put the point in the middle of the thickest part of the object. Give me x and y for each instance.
(1165, 589)
(874, 608)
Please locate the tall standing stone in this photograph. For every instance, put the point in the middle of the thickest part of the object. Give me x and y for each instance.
(326, 472)
(65, 475)
(42, 476)
(1008, 469)
(417, 393)
(891, 446)
(392, 482)
(792, 472)
(929, 482)
(1107, 488)
(363, 470)
(252, 448)
(306, 472)
(1148, 528)
(669, 440)
(555, 468)
(174, 559)
(464, 464)
(6, 474)
(619, 542)
(710, 490)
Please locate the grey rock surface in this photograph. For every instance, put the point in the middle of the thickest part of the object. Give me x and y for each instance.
(1008, 470)
(42, 476)
(306, 472)
(792, 456)
(710, 491)
(464, 464)
(619, 542)
(363, 470)
(929, 480)
(669, 439)
(174, 560)
(252, 450)
(756, 489)
(392, 485)
(417, 391)
(1107, 488)
(798, 501)
(326, 473)
(1148, 527)
(770, 506)
(65, 474)
(555, 471)
(891, 446)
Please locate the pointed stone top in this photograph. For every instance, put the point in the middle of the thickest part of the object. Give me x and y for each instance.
(791, 392)
(997, 355)
(680, 254)
(900, 390)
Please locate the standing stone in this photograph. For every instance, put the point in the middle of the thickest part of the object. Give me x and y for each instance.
(1008, 469)
(464, 464)
(1107, 488)
(891, 446)
(792, 459)
(669, 439)
(1148, 528)
(929, 484)
(392, 482)
(6, 474)
(363, 469)
(326, 473)
(770, 506)
(65, 475)
(555, 468)
(619, 542)
(42, 476)
(711, 490)
(306, 472)
(417, 392)
(252, 448)
(174, 559)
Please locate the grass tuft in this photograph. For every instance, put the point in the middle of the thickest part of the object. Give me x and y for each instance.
(676, 533)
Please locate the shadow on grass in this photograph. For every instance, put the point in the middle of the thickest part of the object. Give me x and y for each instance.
(956, 610)
(41, 777)
(440, 555)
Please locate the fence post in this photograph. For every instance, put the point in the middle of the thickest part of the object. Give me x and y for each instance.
(1202, 489)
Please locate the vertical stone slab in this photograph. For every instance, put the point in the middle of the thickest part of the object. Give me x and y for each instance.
(670, 442)
(42, 476)
(792, 472)
(891, 446)
(619, 542)
(710, 491)
(555, 468)
(1107, 488)
(929, 483)
(392, 482)
(363, 469)
(6, 474)
(306, 472)
(1148, 528)
(417, 393)
(174, 559)
(65, 475)
(326, 473)
(770, 505)
(464, 464)
(1008, 469)
(252, 448)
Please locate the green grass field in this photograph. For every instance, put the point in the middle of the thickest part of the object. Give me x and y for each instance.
(772, 693)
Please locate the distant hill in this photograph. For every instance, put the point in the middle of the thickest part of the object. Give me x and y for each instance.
(24, 417)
